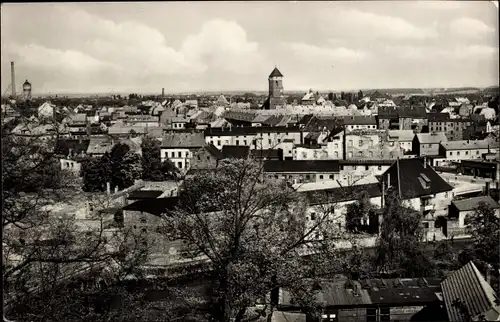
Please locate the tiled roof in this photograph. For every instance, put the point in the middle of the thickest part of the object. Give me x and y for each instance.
(239, 116)
(412, 112)
(156, 206)
(235, 151)
(473, 203)
(276, 73)
(183, 140)
(431, 138)
(469, 286)
(438, 117)
(273, 154)
(340, 193)
(99, 146)
(340, 293)
(302, 166)
(249, 130)
(466, 145)
(279, 316)
(406, 177)
(118, 129)
(360, 120)
(402, 135)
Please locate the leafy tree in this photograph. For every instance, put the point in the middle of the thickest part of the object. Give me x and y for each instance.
(399, 246)
(342, 96)
(152, 167)
(358, 212)
(252, 232)
(360, 95)
(40, 249)
(120, 167)
(485, 230)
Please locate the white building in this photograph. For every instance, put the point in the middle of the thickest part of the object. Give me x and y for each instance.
(181, 147)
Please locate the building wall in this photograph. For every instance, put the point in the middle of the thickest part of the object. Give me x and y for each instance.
(181, 157)
(262, 140)
(369, 146)
(453, 129)
(406, 123)
(349, 174)
(428, 149)
(70, 165)
(458, 155)
(303, 177)
(351, 127)
(303, 153)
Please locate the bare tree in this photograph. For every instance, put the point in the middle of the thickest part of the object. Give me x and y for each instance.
(254, 234)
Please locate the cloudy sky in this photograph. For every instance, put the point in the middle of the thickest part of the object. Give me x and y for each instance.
(217, 46)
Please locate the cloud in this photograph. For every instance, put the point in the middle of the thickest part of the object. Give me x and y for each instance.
(314, 53)
(354, 23)
(470, 28)
(440, 5)
(71, 60)
(457, 53)
(130, 52)
(223, 45)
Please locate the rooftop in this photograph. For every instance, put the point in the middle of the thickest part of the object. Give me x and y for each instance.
(473, 203)
(466, 145)
(183, 140)
(276, 73)
(302, 166)
(431, 138)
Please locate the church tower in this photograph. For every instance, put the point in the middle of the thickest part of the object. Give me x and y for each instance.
(276, 93)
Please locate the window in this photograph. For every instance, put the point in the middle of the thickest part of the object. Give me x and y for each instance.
(179, 164)
(380, 167)
(244, 142)
(451, 152)
(360, 154)
(349, 143)
(336, 145)
(321, 176)
(218, 142)
(371, 314)
(307, 176)
(331, 176)
(350, 155)
(198, 157)
(466, 152)
(426, 225)
(360, 142)
(313, 216)
(179, 154)
(367, 168)
(237, 142)
(477, 152)
(269, 141)
(458, 152)
(385, 314)
(336, 155)
(430, 145)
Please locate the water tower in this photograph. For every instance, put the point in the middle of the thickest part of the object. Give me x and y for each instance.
(27, 91)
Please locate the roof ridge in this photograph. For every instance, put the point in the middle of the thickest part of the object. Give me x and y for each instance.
(485, 287)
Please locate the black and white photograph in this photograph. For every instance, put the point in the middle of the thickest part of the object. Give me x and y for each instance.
(250, 161)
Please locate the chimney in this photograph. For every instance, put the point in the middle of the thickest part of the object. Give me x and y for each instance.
(108, 188)
(13, 79)
(116, 189)
(163, 92)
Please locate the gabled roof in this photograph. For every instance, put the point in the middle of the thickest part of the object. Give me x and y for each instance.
(340, 194)
(408, 176)
(212, 149)
(235, 151)
(276, 73)
(431, 138)
(473, 203)
(469, 286)
(183, 140)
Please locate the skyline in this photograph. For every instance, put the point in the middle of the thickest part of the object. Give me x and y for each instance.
(215, 46)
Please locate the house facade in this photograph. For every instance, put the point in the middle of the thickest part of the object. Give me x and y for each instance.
(370, 144)
(181, 147)
(427, 144)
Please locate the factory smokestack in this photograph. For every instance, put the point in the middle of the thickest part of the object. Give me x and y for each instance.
(13, 79)
(163, 92)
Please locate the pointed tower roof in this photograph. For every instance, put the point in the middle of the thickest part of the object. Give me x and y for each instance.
(276, 73)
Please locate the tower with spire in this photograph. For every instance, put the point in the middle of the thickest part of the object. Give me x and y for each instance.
(276, 93)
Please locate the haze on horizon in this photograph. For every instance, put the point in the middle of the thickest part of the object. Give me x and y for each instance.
(217, 46)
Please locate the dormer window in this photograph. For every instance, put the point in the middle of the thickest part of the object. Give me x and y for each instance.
(424, 181)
